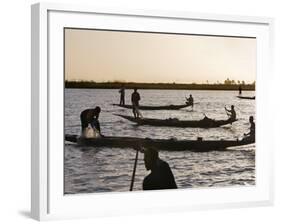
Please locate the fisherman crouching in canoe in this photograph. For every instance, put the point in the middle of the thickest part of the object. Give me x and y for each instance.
(231, 113)
(161, 176)
(190, 100)
(90, 117)
(251, 134)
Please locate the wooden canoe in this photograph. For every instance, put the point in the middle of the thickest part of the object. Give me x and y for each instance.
(161, 144)
(204, 123)
(247, 97)
(163, 107)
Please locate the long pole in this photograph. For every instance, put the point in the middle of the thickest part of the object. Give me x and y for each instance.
(134, 171)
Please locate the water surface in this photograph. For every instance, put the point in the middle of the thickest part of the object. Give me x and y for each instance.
(100, 169)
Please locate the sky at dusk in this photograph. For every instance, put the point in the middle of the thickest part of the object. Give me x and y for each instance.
(101, 56)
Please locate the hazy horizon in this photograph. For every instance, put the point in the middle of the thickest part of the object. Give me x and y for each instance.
(102, 56)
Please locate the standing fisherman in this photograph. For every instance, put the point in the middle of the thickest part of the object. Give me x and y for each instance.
(122, 95)
(135, 98)
(240, 90)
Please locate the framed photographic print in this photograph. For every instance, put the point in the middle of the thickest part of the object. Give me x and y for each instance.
(148, 111)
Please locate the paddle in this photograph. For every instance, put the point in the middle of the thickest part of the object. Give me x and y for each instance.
(134, 170)
(226, 111)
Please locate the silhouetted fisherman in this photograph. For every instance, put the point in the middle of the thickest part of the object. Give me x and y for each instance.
(251, 134)
(122, 95)
(135, 98)
(231, 113)
(161, 176)
(190, 100)
(240, 90)
(90, 116)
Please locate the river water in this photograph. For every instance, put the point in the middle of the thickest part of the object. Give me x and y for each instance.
(101, 169)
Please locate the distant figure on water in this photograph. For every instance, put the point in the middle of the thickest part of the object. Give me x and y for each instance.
(240, 90)
(190, 100)
(231, 113)
(135, 98)
(90, 116)
(161, 176)
(251, 134)
(122, 95)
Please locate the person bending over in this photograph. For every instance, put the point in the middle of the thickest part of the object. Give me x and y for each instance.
(90, 116)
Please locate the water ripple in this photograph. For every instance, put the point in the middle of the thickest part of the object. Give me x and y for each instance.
(91, 169)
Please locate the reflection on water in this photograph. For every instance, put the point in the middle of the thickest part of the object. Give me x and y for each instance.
(90, 169)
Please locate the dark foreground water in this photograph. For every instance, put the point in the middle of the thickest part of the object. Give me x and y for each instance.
(90, 169)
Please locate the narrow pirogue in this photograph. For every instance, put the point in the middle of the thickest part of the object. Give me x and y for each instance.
(204, 123)
(161, 144)
(164, 107)
(247, 97)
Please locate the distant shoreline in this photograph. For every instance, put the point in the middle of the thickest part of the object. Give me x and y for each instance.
(171, 86)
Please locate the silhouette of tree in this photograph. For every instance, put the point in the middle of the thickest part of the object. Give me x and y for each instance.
(227, 81)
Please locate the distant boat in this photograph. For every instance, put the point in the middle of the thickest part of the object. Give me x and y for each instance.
(204, 123)
(247, 97)
(198, 145)
(164, 107)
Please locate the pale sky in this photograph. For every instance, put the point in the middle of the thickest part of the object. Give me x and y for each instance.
(104, 56)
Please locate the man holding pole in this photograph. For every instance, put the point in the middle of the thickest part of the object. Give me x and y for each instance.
(161, 176)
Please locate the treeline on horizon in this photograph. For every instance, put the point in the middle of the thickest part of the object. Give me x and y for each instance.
(177, 86)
